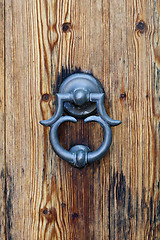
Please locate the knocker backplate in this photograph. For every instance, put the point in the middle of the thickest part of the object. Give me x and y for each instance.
(84, 82)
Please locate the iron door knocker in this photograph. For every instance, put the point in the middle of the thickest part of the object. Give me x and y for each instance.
(80, 95)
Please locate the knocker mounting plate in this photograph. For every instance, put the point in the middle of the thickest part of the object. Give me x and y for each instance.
(80, 85)
(80, 95)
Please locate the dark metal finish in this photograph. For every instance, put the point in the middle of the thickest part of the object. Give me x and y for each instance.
(80, 85)
(80, 95)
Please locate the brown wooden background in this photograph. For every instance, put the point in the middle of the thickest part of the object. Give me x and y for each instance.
(41, 196)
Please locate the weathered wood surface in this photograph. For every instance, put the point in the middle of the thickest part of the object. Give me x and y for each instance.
(117, 197)
(2, 125)
(135, 171)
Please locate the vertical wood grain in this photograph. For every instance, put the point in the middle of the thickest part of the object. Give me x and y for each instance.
(117, 197)
(24, 137)
(2, 125)
(74, 201)
(135, 170)
(47, 198)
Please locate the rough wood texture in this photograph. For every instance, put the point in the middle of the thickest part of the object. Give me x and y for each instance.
(2, 125)
(48, 198)
(117, 197)
(135, 172)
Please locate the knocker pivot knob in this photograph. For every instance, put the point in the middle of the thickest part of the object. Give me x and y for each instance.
(80, 95)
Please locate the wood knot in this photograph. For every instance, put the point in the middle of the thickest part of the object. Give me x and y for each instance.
(66, 27)
(141, 27)
(75, 215)
(45, 211)
(63, 205)
(123, 96)
(45, 97)
(49, 214)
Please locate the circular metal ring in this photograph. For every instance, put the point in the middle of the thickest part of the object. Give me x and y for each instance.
(80, 155)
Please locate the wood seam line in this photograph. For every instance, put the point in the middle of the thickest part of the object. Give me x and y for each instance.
(5, 166)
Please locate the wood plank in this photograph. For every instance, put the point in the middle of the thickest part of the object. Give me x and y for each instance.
(46, 41)
(76, 202)
(24, 144)
(2, 125)
(135, 168)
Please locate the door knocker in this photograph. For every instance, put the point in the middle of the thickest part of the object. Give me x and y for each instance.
(80, 95)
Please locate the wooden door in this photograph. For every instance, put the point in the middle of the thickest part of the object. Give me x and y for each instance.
(42, 196)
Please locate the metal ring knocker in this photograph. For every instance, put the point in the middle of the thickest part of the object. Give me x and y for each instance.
(80, 95)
